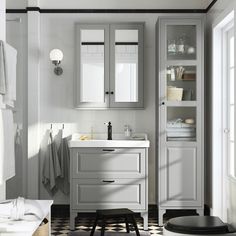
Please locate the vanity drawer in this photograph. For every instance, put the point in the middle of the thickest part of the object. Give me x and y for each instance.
(90, 194)
(108, 162)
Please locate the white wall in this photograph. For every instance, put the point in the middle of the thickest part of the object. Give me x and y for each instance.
(56, 93)
(215, 15)
(113, 4)
(13, 4)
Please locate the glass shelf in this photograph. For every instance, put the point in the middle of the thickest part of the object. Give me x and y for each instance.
(181, 83)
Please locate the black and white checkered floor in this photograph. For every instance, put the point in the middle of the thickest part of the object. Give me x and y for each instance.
(60, 226)
(84, 222)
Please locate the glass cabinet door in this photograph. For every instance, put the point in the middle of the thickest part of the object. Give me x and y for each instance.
(180, 80)
(126, 84)
(92, 49)
(181, 42)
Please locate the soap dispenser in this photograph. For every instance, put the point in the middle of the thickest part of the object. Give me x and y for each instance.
(109, 130)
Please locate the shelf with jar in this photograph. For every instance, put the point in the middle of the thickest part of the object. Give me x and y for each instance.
(181, 83)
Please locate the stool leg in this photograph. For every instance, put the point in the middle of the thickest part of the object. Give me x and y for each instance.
(127, 224)
(103, 227)
(94, 226)
(135, 225)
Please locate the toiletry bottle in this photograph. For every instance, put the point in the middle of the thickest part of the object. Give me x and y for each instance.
(127, 131)
(109, 130)
(172, 75)
(168, 73)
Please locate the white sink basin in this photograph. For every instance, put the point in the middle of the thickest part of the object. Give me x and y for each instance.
(138, 141)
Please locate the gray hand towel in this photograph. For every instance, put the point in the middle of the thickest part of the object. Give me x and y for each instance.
(51, 167)
(64, 157)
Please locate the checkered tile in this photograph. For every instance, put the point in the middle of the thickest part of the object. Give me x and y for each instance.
(60, 225)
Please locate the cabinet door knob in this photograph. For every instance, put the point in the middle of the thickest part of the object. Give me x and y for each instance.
(112, 92)
(106, 92)
(108, 181)
(163, 103)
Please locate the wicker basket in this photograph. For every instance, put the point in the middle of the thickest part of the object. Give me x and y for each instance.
(43, 229)
(174, 94)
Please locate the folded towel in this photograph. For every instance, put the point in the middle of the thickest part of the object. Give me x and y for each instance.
(7, 150)
(20, 208)
(10, 66)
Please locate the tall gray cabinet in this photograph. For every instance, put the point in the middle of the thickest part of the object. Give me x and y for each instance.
(180, 114)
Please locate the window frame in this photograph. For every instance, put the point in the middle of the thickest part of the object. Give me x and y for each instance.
(227, 33)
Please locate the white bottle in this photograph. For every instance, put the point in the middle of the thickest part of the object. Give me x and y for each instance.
(172, 74)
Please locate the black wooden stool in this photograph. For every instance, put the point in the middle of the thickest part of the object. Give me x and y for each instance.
(125, 213)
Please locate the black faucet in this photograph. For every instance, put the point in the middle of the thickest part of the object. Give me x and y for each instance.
(109, 130)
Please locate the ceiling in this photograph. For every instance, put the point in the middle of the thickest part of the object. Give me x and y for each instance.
(113, 4)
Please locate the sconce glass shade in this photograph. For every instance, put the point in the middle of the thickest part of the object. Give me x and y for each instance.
(56, 55)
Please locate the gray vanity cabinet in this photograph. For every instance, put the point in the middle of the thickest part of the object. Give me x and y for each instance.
(105, 178)
(109, 66)
(180, 114)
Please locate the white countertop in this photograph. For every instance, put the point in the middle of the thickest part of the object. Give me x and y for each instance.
(119, 141)
(22, 227)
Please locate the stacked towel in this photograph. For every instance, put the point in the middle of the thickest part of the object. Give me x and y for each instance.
(178, 129)
(7, 151)
(8, 61)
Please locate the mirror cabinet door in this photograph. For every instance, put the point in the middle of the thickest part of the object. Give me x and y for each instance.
(126, 65)
(91, 61)
(126, 76)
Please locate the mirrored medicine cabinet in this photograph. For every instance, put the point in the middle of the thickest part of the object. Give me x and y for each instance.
(109, 66)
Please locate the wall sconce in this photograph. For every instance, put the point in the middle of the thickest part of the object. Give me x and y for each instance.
(56, 56)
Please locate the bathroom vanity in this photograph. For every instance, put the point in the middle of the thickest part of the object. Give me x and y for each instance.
(108, 174)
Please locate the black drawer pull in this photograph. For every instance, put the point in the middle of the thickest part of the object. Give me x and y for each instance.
(108, 181)
(108, 150)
